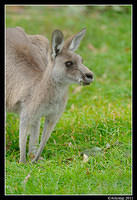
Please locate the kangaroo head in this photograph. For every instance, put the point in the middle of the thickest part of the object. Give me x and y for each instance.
(67, 65)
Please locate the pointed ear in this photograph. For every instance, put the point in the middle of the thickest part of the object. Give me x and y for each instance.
(57, 42)
(75, 41)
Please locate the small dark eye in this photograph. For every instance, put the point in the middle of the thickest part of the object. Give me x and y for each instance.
(68, 63)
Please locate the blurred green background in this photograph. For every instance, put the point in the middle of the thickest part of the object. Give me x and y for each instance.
(98, 115)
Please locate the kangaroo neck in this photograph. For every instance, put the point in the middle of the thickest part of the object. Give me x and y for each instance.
(51, 85)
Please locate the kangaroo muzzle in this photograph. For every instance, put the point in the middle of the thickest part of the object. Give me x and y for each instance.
(88, 78)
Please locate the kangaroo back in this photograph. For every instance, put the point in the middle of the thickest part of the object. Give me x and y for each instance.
(26, 60)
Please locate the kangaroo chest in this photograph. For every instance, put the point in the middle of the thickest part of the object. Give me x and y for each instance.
(53, 104)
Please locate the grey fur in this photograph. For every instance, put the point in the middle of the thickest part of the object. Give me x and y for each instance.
(37, 82)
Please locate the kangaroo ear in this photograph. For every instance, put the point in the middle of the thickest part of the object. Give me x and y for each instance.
(75, 42)
(57, 42)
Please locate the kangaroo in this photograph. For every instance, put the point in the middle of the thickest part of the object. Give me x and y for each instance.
(37, 79)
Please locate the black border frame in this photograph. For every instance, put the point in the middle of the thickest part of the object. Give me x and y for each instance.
(2, 101)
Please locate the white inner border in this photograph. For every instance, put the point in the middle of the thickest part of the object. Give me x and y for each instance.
(131, 92)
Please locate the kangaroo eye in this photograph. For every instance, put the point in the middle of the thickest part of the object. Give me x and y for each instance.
(68, 63)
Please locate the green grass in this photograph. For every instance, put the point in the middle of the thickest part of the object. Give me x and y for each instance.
(96, 116)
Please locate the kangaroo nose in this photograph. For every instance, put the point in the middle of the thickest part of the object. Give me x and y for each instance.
(89, 75)
(88, 78)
